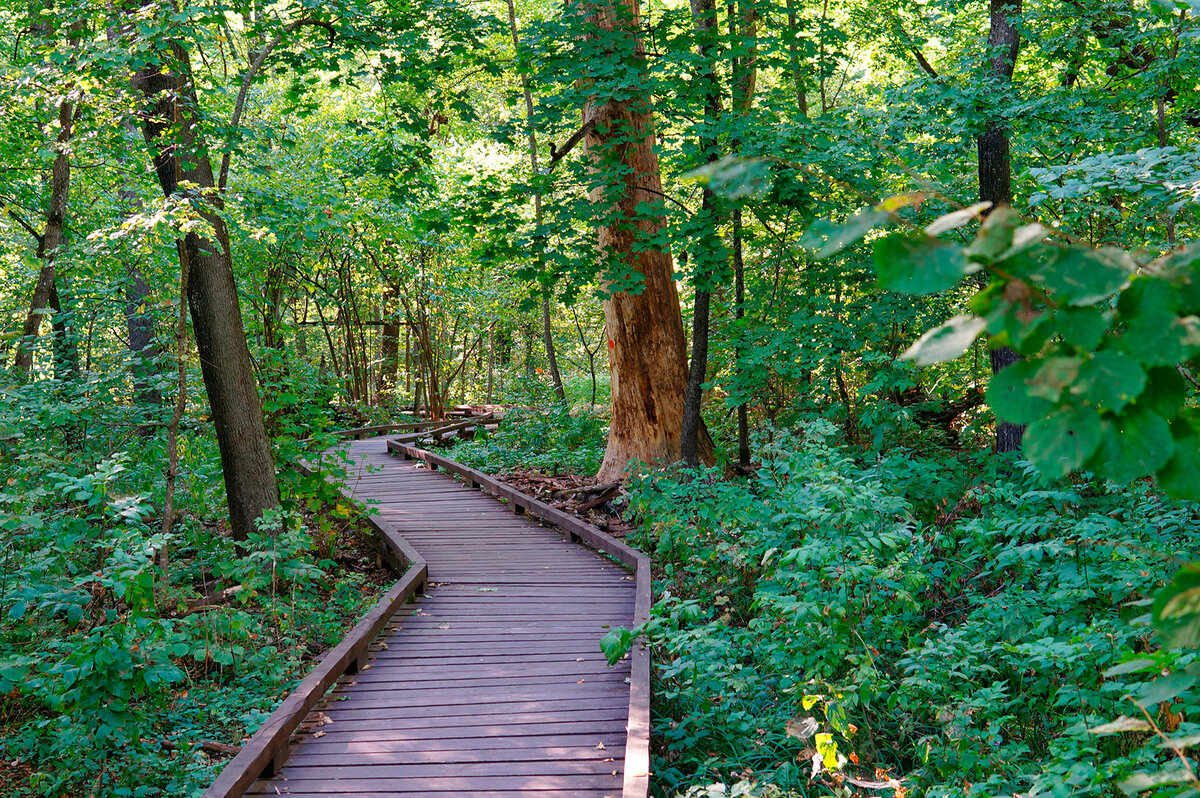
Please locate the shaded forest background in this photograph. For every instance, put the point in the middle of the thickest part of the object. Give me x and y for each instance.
(867, 583)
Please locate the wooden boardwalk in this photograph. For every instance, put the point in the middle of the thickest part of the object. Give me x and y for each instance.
(492, 684)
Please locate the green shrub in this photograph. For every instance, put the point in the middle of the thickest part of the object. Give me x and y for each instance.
(860, 614)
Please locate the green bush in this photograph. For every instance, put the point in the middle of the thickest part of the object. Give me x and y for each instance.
(908, 616)
(551, 439)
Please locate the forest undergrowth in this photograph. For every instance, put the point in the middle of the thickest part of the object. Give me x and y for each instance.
(119, 677)
(899, 622)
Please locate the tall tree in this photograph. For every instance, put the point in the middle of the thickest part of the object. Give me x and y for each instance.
(539, 236)
(173, 133)
(50, 239)
(646, 345)
(995, 166)
(709, 257)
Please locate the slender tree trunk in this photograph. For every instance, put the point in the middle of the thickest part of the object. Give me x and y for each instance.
(647, 349)
(708, 258)
(796, 65)
(540, 239)
(49, 241)
(745, 71)
(172, 131)
(491, 360)
(739, 301)
(995, 169)
(390, 345)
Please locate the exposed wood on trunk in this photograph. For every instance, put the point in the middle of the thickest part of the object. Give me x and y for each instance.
(647, 350)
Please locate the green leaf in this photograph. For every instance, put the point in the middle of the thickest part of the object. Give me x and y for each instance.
(1063, 441)
(1055, 375)
(1131, 666)
(1121, 725)
(735, 178)
(995, 236)
(826, 238)
(918, 264)
(1134, 444)
(1110, 380)
(1180, 477)
(1176, 610)
(1173, 773)
(1165, 391)
(1164, 688)
(1009, 397)
(616, 644)
(1086, 276)
(1081, 327)
(956, 219)
(1156, 335)
(946, 341)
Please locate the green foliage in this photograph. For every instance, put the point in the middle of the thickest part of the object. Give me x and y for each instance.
(958, 630)
(1099, 386)
(102, 657)
(553, 439)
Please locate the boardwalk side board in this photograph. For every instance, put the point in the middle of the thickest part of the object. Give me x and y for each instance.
(268, 748)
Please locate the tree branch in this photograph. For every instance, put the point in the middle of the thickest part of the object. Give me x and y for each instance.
(576, 137)
(28, 227)
(251, 73)
(923, 63)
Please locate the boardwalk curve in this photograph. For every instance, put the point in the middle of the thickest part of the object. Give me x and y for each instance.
(491, 684)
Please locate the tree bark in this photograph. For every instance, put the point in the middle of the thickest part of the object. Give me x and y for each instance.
(172, 131)
(995, 169)
(794, 57)
(647, 350)
(49, 241)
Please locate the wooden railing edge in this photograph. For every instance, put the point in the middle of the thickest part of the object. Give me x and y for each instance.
(637, 743)
(268, 748)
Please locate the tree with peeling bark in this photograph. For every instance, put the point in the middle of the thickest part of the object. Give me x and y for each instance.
(642, 319)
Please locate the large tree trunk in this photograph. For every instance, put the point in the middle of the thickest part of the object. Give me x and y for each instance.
(49, 241)
(647, 351)
(172, 131)
(995, 170)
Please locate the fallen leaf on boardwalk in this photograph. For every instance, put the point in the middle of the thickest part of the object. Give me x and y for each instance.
(600, 747)
(318, 735)
(486, 589)
(579, 682)
(608, 759)
(579, 659)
